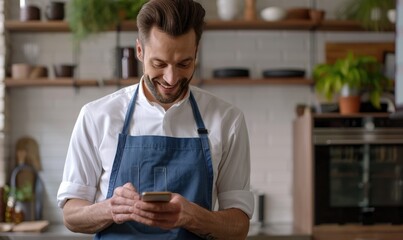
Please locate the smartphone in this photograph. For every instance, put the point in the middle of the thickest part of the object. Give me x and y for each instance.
(156, 196)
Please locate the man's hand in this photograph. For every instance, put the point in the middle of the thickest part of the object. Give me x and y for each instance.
(126, 205)
(165, 215)
(122, 203)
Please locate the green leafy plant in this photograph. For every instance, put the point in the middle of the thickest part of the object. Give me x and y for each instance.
(358, 72)
(87, 17)
(372, 14)
(23, 193)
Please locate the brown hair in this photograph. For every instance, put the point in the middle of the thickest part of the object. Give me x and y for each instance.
(174, 17)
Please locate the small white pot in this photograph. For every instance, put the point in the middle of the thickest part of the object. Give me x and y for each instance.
(228, 9)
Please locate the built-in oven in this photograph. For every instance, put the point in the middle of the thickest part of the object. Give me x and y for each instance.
(358, 170)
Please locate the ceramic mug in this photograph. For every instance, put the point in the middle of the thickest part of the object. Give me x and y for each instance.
(30, 13)
(55, 11)
(64, 70)
(20, 70)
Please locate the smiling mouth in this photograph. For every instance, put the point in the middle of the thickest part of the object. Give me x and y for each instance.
(166, 86)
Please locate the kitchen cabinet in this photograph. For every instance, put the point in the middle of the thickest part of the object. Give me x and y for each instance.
(14, 26)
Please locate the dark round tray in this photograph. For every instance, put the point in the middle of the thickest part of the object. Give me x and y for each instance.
(230, 72)
(283, 73)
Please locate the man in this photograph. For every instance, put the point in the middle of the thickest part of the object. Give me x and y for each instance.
(160, 134)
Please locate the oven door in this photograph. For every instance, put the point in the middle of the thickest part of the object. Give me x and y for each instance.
(358, 176)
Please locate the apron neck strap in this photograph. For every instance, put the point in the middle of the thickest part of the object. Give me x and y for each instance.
(201, 129)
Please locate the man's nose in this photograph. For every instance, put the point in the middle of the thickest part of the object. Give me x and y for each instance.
(171, 75)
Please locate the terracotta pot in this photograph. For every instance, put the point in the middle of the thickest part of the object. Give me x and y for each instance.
(349, 104)
(316, 15)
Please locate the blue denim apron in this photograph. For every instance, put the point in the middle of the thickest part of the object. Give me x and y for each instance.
(150, 163)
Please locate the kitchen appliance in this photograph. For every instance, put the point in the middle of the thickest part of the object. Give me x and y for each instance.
(358, 170)
(258, 217)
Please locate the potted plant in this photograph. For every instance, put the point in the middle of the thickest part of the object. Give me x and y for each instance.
(372, 14)
(348, 78)
(87, 17)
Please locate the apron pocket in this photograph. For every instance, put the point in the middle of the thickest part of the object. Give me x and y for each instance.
(134, 177)
(160, 179)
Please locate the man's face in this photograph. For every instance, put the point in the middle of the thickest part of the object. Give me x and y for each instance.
(168, 65)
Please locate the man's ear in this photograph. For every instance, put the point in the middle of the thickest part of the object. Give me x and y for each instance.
(139, 50)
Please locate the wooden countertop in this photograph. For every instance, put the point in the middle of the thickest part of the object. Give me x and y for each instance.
(276, 232)
(59, 232)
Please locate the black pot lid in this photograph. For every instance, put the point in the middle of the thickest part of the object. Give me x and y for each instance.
(283, 73)
(230, 72)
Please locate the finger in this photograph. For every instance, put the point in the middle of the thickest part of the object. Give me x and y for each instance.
(121, 218)
(160, 207)
(165, 222)
(130, 186)
(126, 192)
(150, 215)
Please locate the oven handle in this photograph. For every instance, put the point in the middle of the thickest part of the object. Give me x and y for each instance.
(357, 141)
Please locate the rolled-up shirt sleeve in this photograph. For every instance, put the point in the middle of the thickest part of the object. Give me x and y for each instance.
(233, 182)
(82, 167)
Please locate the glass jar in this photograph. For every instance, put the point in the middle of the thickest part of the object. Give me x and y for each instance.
(9, 213)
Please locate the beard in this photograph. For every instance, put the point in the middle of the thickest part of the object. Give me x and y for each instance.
(181, 88)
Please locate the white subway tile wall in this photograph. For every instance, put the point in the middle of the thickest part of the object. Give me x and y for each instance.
(48, 113)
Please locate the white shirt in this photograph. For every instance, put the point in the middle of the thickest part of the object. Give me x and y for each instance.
(94, 142)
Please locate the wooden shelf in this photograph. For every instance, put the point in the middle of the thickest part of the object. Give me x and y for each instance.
(58, 82)
(53, 26)
(326, 25)
(264, 81)
(260, 25)
(344, 25)
(37, 26)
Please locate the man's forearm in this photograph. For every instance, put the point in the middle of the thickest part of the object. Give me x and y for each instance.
(86, 217)
(226, 224)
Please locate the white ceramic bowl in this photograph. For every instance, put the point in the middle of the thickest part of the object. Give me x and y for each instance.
(273, 14)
